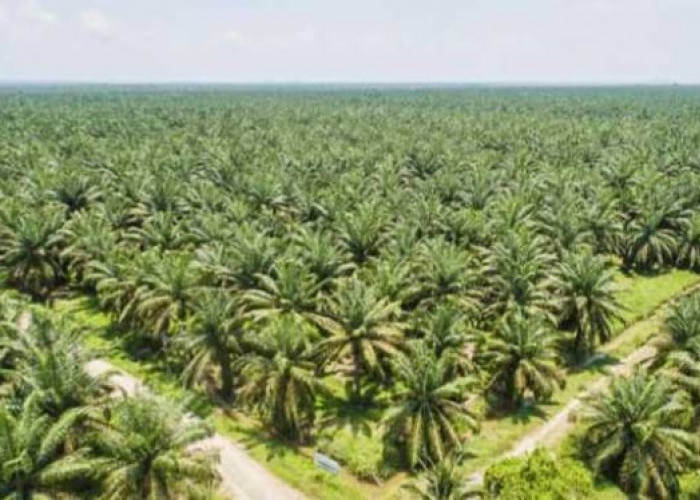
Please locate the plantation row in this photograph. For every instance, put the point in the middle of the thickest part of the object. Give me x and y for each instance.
(402, 255)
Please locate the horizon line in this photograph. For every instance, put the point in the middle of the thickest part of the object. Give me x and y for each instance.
(352, 83)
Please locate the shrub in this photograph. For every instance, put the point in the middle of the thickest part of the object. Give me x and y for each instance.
(538, 475)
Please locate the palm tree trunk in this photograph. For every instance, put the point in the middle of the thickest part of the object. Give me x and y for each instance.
(356, 373)
(578, 341)
(226, 377)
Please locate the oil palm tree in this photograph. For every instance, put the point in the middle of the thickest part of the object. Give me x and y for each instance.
(651, 238)
(448, 333)
(323, 256)
(689, 247)
(30, 254)
(145, 452)
(86, 237)
(166, 293)
(678, 346)
(213, 337)
(443, 272)
(279, 377)
(49, 364)
(637, 434)
(363, 331)
(34, 462)
(681, 326)
(162, 231)
(74, 189)
(117, 283)
(362, 231)
(585, 288)
(521, 356)
(430, 411)
(289, 289)
(515, 273)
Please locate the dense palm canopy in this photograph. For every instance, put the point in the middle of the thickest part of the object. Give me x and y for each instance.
(266, 246)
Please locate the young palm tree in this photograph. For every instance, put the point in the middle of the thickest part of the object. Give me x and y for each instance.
(588, 303)
(443, 480)
(280, 381)
(430, 410)
(213, 337)
(34, 462)
(144, 452)
(521, 356)
(363, 331)
(637, 434)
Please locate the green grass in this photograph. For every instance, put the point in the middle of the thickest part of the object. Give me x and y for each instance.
(642, 294)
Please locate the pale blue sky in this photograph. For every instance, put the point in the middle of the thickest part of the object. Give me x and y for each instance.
(527, 41)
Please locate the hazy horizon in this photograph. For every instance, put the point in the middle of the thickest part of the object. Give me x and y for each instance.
(375, 42)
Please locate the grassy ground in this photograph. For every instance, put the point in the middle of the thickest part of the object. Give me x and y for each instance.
(641, 295)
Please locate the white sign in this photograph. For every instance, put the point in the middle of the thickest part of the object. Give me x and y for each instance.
(326, 463)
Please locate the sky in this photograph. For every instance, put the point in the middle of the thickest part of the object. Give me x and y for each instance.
(379, 41)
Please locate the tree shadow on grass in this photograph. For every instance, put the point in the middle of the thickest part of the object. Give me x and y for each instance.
(598, 363)
(528, 410)
(340, 414)
(274, 446)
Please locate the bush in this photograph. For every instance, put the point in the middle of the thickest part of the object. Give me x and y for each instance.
(690, 486)
(362, 454)
(540, 476)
